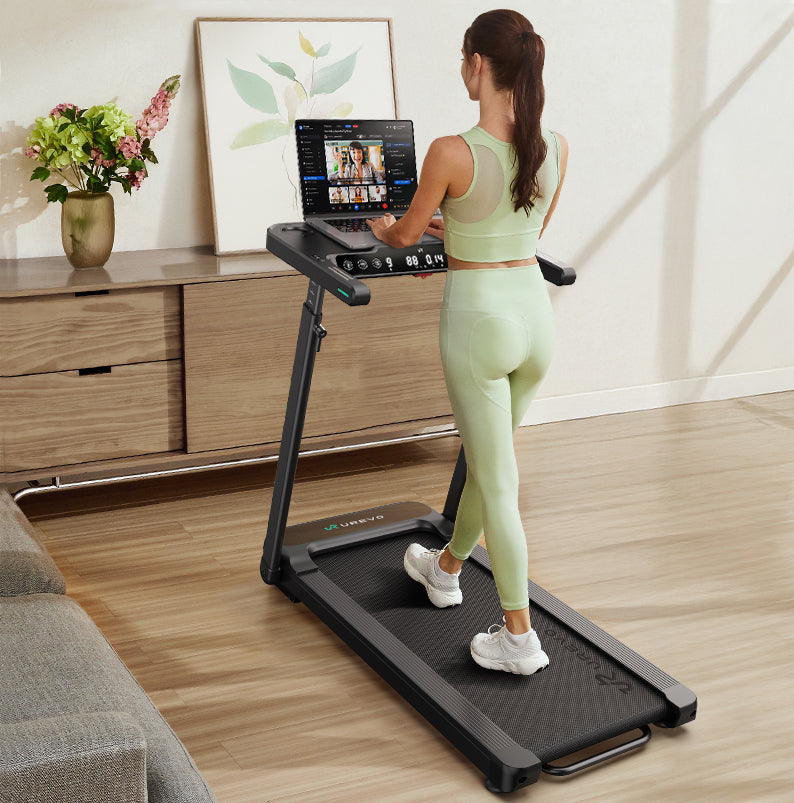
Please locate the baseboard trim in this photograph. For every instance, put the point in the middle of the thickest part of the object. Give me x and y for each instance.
(666, 394)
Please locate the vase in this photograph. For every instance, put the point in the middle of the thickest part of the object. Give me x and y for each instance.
(88, 226)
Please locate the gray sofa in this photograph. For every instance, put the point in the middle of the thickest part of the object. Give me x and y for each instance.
(75, 726)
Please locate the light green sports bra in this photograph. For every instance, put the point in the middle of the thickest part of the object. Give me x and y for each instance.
(482, 225)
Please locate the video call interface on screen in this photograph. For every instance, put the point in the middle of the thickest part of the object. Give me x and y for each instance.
(365, 166)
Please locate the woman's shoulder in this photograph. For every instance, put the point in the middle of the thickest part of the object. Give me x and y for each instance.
(548, 132)
(450, 147)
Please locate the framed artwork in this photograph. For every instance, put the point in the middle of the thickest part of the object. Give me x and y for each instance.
(260, 75)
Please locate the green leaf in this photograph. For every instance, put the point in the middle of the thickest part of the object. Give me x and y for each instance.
(105, 144)
(323, 51)
(253, 89)
(279, 67)
(95, 185)
(342, 110)
(260, 133)
(135, 165)
(56, 192)
(293, 97)
(148, 154)
(330, 78)
(306, 46)
(40, 173)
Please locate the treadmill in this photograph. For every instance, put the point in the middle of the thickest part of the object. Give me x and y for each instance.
(348, 570)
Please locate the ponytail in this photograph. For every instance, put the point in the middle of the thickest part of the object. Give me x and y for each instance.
(516, 55)
(528, 142)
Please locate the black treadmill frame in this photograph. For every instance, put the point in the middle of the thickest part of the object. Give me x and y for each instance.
(506, 765)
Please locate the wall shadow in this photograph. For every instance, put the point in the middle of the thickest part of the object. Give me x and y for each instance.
(687, 140)
(752, 313)
(21, 200)
(688, 99)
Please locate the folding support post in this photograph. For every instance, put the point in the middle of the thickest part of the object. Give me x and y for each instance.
(310, 337)
(455, 487)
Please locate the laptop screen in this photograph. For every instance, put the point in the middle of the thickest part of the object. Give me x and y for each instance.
(354, 166)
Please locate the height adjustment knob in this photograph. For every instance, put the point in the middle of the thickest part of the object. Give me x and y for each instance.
(320, 331)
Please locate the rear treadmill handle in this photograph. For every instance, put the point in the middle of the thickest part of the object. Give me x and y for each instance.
(592, 761)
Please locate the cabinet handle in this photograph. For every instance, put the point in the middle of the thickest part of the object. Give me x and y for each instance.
(102, 369)
(80, 293)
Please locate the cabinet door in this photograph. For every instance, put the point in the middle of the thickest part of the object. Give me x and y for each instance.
(378, 366)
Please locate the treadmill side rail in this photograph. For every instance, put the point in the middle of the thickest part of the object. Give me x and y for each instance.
(683, 706)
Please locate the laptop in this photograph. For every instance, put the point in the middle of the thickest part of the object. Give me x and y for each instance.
(352, 170)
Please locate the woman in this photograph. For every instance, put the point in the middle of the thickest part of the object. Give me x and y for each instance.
(497, 186)
(357, 170)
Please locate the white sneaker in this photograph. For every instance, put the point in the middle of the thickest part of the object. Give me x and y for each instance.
(492, 650)
(421, 565)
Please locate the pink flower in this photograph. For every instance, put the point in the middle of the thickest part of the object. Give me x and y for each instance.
(130, 147)
(155, 115)
(56, 112)
(99, 158)
(33, 152)
(136, 179)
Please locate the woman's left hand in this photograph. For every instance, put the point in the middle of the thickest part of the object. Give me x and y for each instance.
(380, 224)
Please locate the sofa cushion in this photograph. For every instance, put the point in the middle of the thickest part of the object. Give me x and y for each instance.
(69, 759)
(25, 565)
(55, 662)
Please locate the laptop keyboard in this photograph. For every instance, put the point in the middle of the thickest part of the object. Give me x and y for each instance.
(350, 224)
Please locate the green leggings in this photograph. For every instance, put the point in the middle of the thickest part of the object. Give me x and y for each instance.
(496, 338)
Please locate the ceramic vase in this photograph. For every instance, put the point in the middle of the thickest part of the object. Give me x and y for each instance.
(88, 226)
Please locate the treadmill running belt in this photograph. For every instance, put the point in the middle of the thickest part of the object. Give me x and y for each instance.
(583, 698)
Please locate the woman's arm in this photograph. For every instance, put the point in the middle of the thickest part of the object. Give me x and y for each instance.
(563, 166)
(438, 171)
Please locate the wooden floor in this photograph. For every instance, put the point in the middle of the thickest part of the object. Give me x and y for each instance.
(672, 529)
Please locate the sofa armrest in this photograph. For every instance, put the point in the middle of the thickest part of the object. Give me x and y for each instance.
(25, 565)
(75, 758)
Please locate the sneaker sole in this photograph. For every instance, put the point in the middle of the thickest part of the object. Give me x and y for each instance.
(441, 599)
(528, 667)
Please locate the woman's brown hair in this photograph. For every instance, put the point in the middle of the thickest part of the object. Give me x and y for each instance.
(516, 55)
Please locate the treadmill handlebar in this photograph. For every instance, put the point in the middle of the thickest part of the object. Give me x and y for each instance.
(295, 245)
(310, 253)
(554, 270)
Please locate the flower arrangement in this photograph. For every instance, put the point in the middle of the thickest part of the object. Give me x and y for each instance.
(89, 149)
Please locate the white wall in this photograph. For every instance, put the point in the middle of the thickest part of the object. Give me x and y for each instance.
(677, 210)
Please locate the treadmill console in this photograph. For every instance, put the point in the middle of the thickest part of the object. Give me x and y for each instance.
(424, 257)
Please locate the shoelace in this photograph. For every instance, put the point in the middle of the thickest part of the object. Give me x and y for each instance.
(493, 635)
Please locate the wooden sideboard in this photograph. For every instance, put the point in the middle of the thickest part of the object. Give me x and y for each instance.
(178, 357)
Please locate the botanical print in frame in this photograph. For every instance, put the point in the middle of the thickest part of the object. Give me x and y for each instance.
(258, 77)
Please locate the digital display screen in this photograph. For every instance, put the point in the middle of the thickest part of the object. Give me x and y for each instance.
(356, 166)
(423, 257)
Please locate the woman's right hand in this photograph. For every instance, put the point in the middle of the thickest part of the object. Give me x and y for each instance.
(436, 227)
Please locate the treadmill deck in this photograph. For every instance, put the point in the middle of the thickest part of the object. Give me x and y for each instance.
(583, 698)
